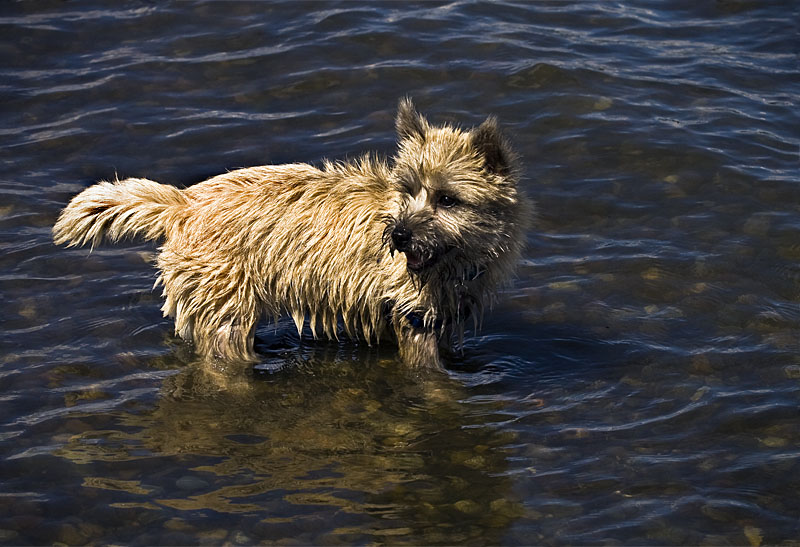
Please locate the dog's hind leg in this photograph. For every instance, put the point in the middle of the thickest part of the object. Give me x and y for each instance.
(215, 305)
(233, 341)
(228, 338)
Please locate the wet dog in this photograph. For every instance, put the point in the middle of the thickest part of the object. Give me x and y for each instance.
(407, 249)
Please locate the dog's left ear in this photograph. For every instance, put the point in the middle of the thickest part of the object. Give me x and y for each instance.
(489, 141)
(409, 122)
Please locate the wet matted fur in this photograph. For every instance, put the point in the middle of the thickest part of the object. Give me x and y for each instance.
(407, 249)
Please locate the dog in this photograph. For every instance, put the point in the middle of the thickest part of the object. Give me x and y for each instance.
(407, 249)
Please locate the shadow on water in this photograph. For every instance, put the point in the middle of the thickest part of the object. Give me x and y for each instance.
(320, 442)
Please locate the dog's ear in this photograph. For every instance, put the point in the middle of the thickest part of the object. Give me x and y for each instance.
(409, 122)
(497, 153)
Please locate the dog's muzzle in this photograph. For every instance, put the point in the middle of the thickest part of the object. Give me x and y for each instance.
(401, 237)
(403, 241)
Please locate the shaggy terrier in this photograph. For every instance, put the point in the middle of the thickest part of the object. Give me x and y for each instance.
(408, 249)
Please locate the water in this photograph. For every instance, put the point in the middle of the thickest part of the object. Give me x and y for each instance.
(638, 384)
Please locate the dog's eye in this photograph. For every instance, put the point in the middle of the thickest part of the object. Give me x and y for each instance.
(446, 201)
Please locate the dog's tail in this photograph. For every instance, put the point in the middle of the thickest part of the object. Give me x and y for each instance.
(124, 208)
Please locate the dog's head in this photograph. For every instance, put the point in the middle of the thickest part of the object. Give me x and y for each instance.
(457, 207)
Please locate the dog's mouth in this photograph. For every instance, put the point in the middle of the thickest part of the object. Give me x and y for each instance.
(415, 262)
(420, 260)
(399, 238)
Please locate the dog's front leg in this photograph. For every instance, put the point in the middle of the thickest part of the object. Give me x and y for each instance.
(418, 347)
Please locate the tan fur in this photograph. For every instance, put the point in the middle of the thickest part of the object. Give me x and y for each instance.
(323, 244)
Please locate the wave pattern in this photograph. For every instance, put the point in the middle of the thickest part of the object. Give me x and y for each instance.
(639, 381)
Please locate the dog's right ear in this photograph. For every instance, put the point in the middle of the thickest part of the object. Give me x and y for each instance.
(409, 122)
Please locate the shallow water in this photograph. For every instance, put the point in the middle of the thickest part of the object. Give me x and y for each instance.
(638, 384)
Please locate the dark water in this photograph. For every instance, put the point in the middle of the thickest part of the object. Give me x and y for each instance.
(639, 383)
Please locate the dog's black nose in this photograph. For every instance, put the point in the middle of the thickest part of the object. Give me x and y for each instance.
(401, 237)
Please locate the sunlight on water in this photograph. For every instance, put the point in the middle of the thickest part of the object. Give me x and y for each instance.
(637, 384)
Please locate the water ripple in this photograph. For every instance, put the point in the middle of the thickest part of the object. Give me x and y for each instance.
(638, 379)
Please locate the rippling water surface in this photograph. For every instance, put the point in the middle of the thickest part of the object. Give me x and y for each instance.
(638, 384)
